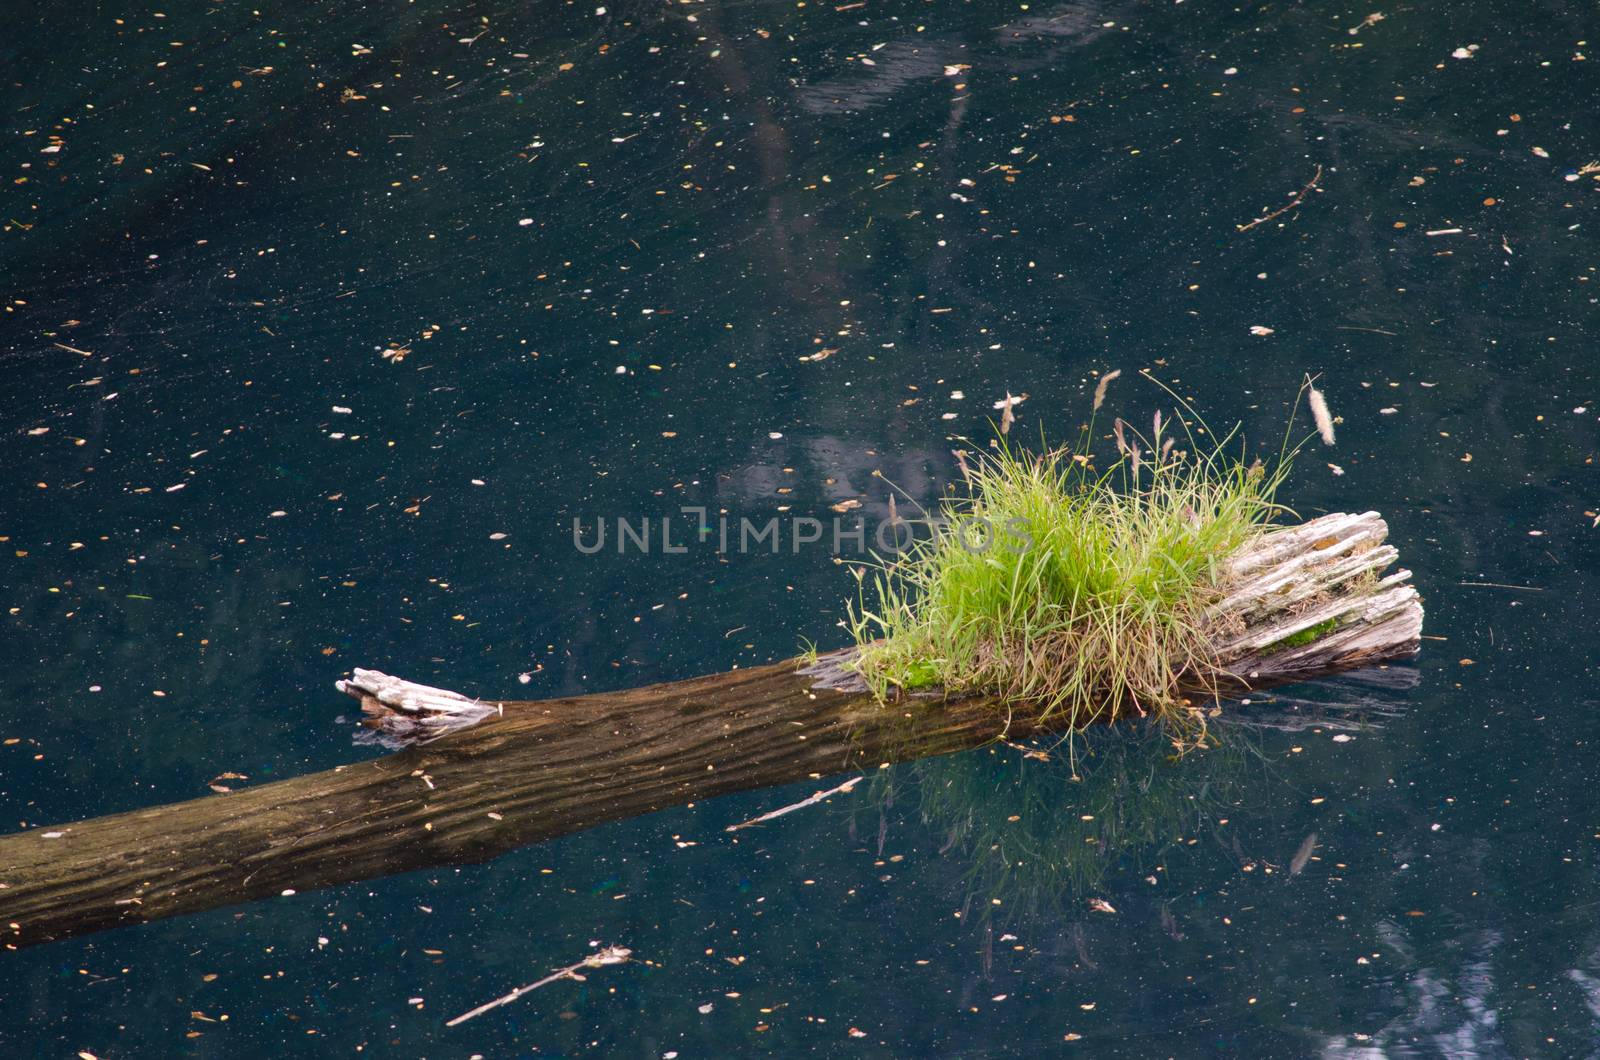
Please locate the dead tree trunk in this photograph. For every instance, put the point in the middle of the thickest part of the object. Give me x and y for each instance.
(504, 775)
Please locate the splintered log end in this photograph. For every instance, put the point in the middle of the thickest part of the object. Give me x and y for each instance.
(1315, 599)
(400, 713)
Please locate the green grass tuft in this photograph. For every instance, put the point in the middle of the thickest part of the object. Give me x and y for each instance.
(1066, 590)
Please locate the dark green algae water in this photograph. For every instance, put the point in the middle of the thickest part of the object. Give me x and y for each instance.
(217, 218)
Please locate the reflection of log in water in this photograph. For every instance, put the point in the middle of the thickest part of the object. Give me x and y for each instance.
(1300, 601)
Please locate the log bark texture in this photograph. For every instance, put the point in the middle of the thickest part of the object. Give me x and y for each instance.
(483, 778)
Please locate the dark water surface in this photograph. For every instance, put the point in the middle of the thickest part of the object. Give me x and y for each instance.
(216, 219)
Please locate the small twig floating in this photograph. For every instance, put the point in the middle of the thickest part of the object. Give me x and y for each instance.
(609, 955)
(802, 804)
(1291, 204)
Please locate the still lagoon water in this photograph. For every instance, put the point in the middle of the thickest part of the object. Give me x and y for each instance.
(322, 322)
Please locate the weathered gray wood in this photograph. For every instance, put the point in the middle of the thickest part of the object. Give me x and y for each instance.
(1326, 570)
(529, 771)
(405, 712)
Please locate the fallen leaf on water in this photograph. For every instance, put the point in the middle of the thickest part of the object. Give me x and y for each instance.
(1303, 855)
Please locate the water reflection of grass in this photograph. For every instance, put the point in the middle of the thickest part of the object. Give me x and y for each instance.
(1042, 834)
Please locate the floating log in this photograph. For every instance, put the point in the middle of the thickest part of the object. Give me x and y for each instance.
(480, 778)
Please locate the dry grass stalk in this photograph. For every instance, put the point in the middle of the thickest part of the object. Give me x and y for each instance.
(1100, 389)
(1320, 413)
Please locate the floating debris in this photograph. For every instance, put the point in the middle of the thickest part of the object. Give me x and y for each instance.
(1371, 20)
(607, 956)
(1297, 864)
(1294, 201)
(1005, 405)
(802, 804)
